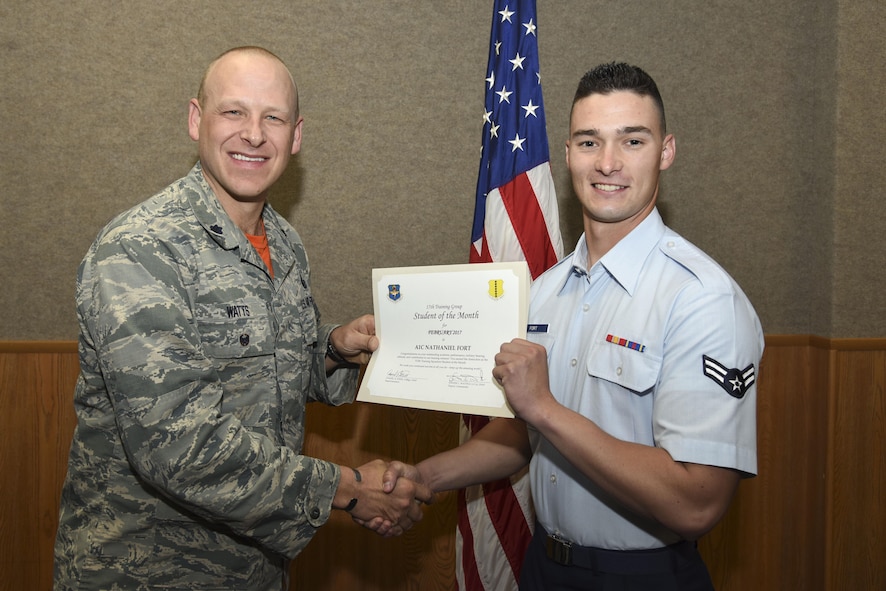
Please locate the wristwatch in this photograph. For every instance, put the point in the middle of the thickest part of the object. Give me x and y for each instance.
(336, 356)
(353, 502)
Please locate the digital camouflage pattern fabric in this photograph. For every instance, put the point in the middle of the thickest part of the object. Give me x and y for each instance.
(185, 469)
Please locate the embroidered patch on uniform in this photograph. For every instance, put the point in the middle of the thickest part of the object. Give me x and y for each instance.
(394, 292)
(216, 228)
(237, 311)
(735, 381)
(625, 343)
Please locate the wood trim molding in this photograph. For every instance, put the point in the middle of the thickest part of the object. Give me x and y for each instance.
(840, 344)
(777, 340)
(38, 346)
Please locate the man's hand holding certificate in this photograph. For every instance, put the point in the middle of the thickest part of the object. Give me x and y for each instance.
(439, 330)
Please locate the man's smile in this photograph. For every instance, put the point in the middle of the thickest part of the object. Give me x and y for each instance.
(246, 158)
(603, 187)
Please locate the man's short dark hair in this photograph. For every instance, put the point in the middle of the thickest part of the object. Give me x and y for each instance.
(616, 76)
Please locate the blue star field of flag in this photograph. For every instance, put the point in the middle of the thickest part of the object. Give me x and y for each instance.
(514, 133)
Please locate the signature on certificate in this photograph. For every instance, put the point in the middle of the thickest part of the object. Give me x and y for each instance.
(466, 379)
(399, 375)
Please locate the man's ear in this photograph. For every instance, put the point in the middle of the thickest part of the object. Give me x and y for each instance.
(194, 114)
(296, 136)
(668, 152)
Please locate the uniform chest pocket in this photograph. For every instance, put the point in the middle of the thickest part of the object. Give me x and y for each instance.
(625, 367)
(541, 338)
(236, 331)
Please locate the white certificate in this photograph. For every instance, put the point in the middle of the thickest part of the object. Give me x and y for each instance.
(439, 330)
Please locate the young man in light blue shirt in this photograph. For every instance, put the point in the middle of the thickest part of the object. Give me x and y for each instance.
(636, 387)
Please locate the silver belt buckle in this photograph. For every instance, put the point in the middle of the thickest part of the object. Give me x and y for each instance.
(559, 550)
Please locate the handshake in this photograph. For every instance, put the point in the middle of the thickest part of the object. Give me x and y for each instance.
(384, 497)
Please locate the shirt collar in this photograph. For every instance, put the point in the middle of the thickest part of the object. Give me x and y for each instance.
(215, 220)
(624, 261)
(209, 211)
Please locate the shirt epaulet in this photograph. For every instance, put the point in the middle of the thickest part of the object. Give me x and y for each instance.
(708, 272)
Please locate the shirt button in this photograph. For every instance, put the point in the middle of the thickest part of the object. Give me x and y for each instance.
(553, 479)
(585, 308)
(244, 339)
(574, 362)
(618, 371)
(315, 513)
(671, 244)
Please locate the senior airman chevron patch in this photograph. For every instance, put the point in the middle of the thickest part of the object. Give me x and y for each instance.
(735, 381)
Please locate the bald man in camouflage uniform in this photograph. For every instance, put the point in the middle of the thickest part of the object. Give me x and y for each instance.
(198, 356)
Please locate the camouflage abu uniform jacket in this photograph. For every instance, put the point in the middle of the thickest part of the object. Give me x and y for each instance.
(185, 469)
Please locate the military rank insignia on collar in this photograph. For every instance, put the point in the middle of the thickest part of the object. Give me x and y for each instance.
(735, 381)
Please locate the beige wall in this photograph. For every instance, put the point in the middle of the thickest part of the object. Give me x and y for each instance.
(777, 109)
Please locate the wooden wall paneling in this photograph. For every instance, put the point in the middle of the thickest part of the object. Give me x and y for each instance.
(813, 519)
(345, 556)
(55, 422)
(36, 423)
(772, 536)
(794, 555)
(856, 492)
(19, 543)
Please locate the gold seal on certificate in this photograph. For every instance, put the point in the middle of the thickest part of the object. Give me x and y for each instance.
(439, 329)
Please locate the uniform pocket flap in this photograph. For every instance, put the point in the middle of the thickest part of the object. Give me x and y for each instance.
(635, 370)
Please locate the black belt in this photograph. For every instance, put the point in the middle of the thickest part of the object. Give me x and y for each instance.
(627, 562)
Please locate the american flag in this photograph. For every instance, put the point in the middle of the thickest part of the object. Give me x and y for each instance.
(515, 218)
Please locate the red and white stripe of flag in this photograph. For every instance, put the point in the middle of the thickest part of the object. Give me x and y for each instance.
(522, 223)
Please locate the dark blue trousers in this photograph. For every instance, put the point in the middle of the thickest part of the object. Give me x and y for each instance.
(673, 568)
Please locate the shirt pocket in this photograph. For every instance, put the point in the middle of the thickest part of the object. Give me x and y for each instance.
(634, 370)
(236, 331)
(542, 338)
(238, 339)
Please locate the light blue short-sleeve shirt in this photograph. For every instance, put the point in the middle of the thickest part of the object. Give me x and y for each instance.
(656, 344)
